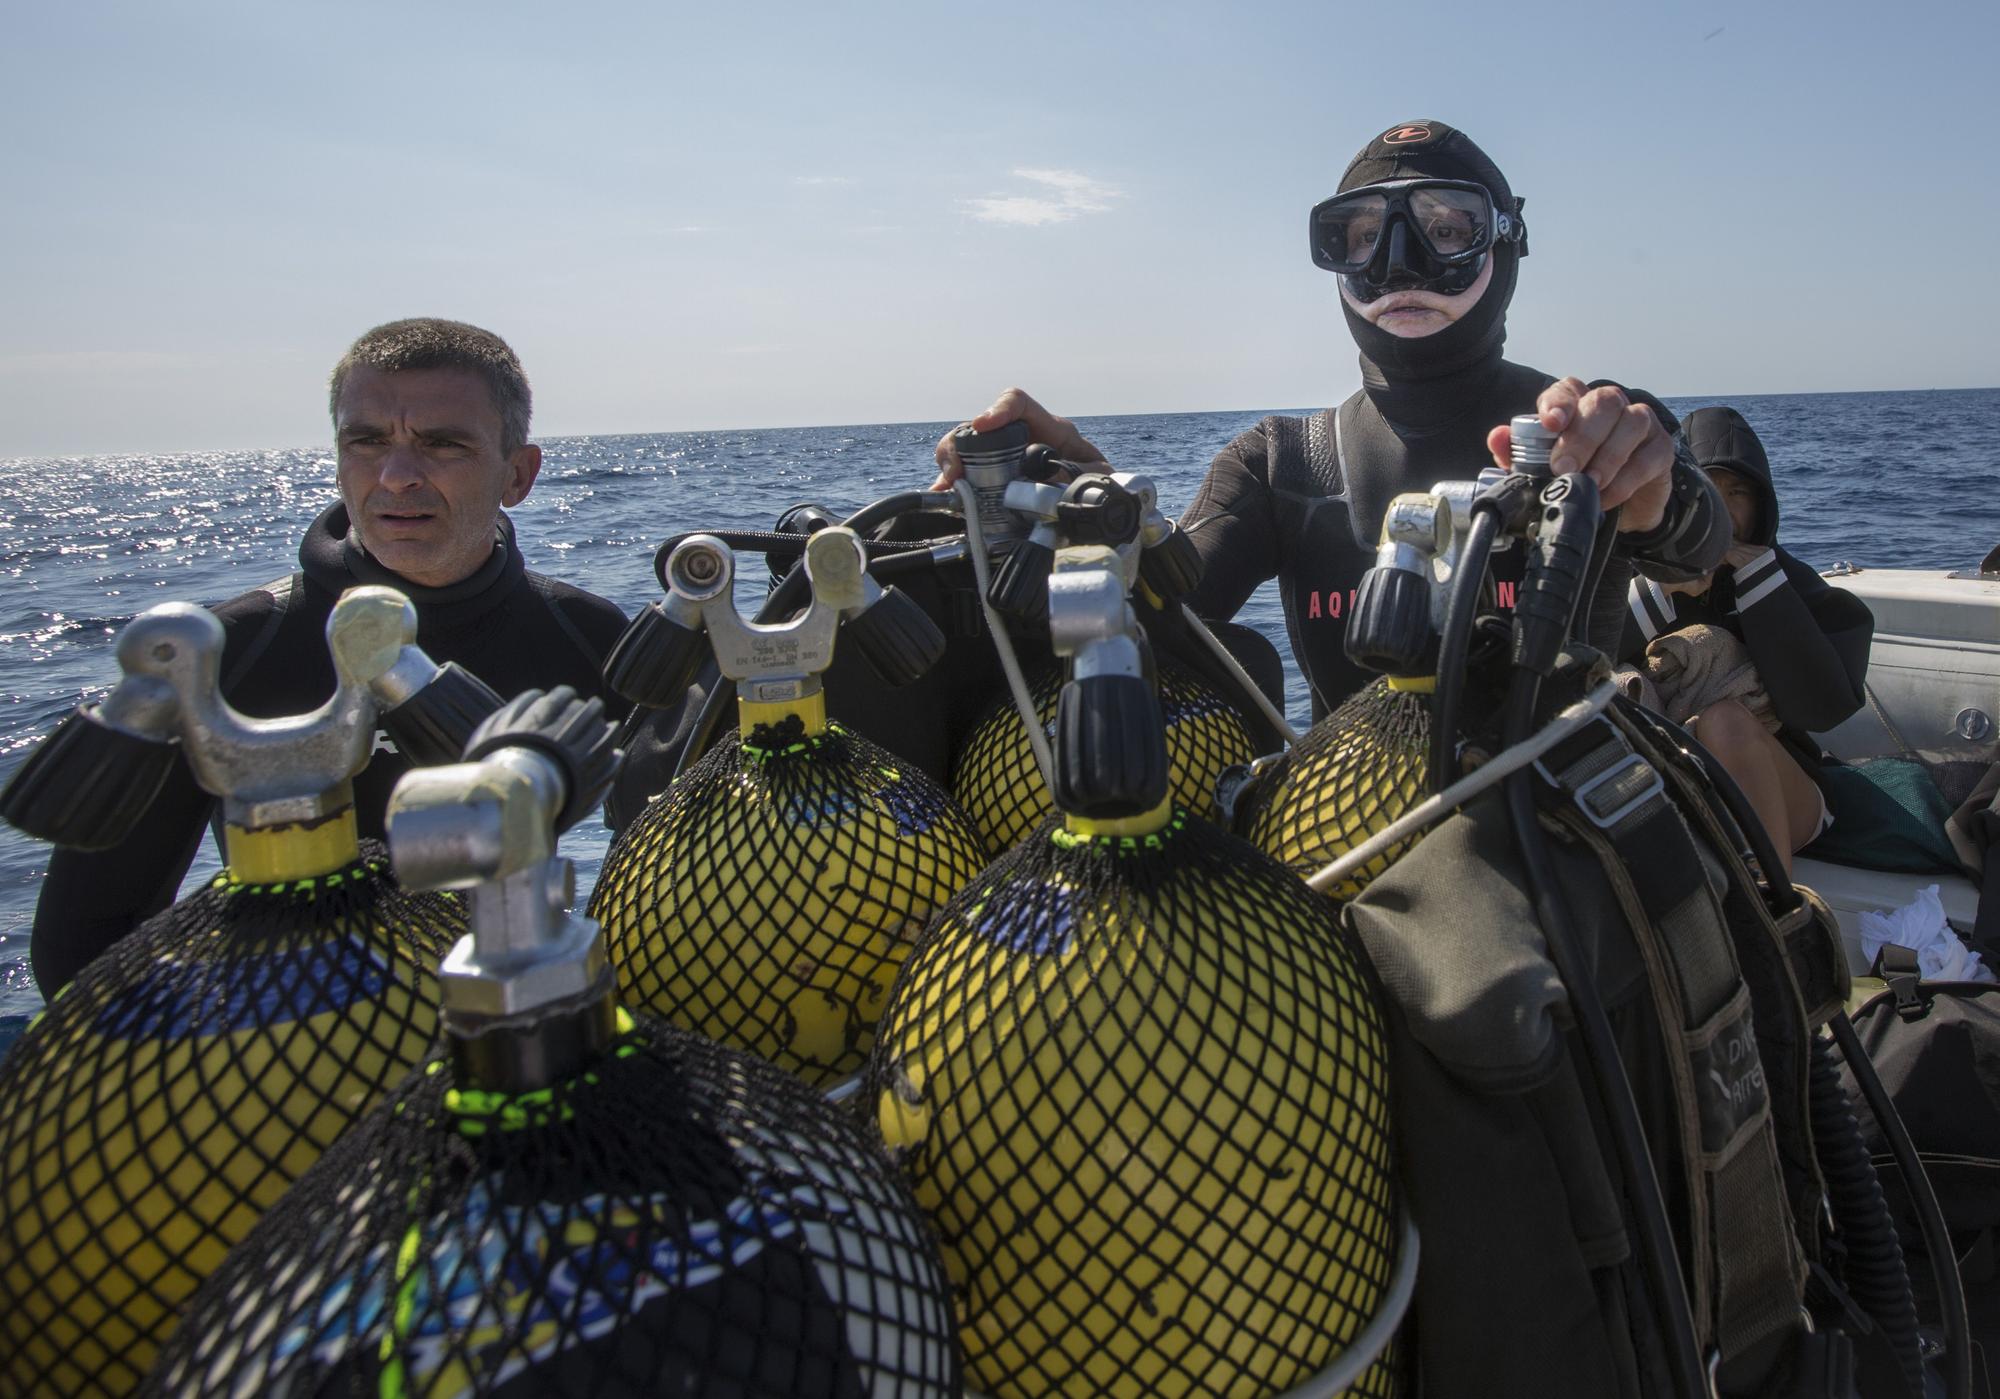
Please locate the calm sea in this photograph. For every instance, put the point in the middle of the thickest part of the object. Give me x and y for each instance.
(1892, 479)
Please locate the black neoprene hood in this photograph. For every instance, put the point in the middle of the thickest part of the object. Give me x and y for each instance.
(1426, 150)
(1719, 437)
(1432, 150)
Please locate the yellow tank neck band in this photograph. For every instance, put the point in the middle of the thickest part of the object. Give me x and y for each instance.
(1142, 825)
(811, 711)
(1414, 684)
(301, 850)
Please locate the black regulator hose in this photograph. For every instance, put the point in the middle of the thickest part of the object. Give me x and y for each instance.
(1937, 1235)
(1461, 608)
(1659, 1260)
(1560, 552)
(1876, 1276)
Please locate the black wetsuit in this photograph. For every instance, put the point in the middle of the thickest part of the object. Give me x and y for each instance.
(1316, 526)
(513, 629)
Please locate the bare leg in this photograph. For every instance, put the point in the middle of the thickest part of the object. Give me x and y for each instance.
(1784, 798)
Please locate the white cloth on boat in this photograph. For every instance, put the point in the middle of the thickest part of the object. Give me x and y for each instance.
(1920, 926)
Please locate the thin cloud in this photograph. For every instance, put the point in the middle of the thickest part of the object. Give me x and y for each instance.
(1069, 193)
(821, 180)
(125, 361)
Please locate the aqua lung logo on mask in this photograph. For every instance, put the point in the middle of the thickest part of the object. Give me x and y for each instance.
(1414, 134)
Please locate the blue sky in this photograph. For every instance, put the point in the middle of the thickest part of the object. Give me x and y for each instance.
(756, 215)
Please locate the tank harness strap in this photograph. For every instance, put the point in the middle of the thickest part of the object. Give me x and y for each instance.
(1746, 1273)
(1807, 935)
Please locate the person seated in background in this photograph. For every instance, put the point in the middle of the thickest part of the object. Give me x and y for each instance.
(1803, 642)
(430, 423)
(1425, 236)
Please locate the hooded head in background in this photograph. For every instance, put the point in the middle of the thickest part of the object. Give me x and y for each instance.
(1719, 438)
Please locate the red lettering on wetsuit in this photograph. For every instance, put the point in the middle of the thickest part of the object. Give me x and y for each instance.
(1334, 603)
(1504, 595)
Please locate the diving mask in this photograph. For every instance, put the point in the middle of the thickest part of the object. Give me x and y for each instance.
(1428, 234)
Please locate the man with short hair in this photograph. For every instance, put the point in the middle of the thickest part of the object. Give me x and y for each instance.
(431, 424)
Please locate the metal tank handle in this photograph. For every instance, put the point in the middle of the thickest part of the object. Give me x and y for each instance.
(528, 994)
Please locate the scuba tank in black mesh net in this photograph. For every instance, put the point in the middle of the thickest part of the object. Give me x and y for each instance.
(768, 896)
(179, 1086)
(570, 1199)
(1141, 1087)
(1376, 756)
(1352, 773)
(678, 1219)
(1137, 1074)
(189, 1075)
(995, 778)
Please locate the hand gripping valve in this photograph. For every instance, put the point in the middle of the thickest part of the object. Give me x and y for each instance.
(775, 663)
(88, 784)
(1011, 481)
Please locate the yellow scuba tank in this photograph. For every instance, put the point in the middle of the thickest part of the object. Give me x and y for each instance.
(767, 898)
(1370, 761)
(995, 779)
(1138, 1076)
(568, 1198)
(1349, 776)
(176, 1089)
(995, 775)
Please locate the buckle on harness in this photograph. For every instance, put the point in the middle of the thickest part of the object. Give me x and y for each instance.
(1596, 808)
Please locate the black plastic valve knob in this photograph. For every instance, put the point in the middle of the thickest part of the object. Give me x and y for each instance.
(1020, 587)
(1097, 510)
(656, 659)
(896, 637)
(1172, 568)
(567, 729)
(431, 726)
(87, 784)
(1111, 747)
(1390, 631)
(1006, 439)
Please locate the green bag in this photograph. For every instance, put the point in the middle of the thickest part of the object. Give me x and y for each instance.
(1887, 815)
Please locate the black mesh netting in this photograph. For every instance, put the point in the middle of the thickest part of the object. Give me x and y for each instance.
(680, 1219)
(995, 779)
(1141, 1088)
(1353, 773)
(174, 1091)
(767, 898)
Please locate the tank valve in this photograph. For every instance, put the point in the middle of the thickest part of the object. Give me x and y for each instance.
(528, 994)
(96, 775)
(1111, 748)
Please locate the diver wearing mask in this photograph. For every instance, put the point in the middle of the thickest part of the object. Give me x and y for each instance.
(1426, 238)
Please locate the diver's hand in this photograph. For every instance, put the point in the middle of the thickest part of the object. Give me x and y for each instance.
(1741, 554)
(1619, 444)
(1043, 426)
(1694, 587)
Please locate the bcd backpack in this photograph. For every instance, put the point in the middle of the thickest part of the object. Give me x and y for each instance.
(1532, 1280)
